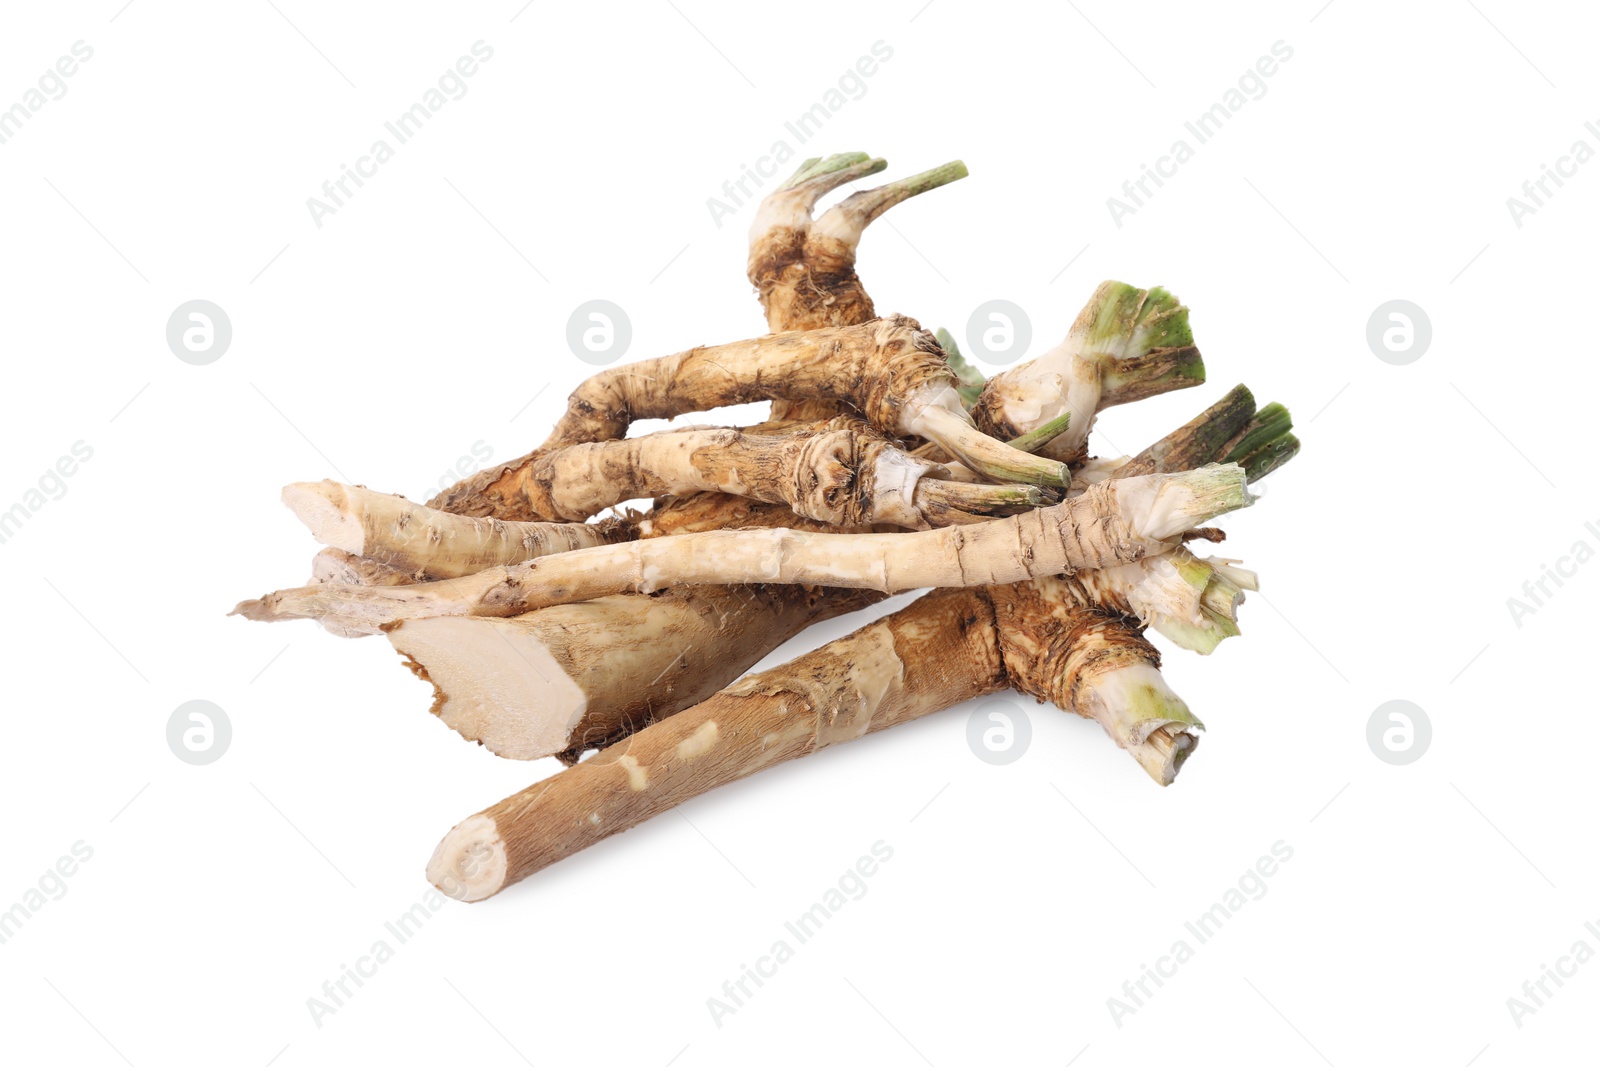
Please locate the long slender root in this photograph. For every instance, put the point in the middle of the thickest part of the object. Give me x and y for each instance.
(1115, 522)
(944, 648)
(919, 660)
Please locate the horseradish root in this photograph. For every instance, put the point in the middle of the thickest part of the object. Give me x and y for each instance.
(804, 271)
(507, 704)
(946, 647)
(887, 465)
(517, 708)
(890, 371)
(917, 661)
(512, 701)
(840, 471)
(1114, 522)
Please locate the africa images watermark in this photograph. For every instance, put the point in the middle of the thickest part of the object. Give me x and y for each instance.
(52, 485)
(1537, 190)
(1536, 591)
(51, 885)
(482, 453)
(851, 885)
(405, 126)
(852, 85)
(1252, 85)
(1252, 885)
(337, 992)
(1536, 991)
(52, 85)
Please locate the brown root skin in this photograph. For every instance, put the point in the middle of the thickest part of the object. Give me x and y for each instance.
(743, 610)
(1100, 640)
(873, 368)
(840, 471)
(806, 280)
(928, 656)
(1058, 639)
(1203, 439)
(947, 647)
(633, 658)
(829, 293)
(804, 269)
(804, 273)
(578, 676)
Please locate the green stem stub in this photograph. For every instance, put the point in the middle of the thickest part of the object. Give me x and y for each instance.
(1265, 443)
(1206, 438)
(1271, 456)
(1269, 422)
(1042, 435)
(955, 434)
(858, 164)
(871, 203)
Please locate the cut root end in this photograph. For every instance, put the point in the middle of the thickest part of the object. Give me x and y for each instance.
(1164, 752)
(470, 863)
(1163, 506)
(1142, 714)
(326, 510)
(497, 683)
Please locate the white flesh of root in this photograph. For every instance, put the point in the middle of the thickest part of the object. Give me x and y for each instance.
(1058, 381)
(480, 671)
(575, 676)
(470, 862)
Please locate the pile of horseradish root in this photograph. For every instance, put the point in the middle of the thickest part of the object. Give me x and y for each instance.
(887, 465)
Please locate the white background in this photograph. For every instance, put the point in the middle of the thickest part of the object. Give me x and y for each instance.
(428, 315)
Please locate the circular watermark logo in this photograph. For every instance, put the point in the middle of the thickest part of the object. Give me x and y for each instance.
(998, 732)
(199, 332)
(199, 732)
(999, 332)
(598, 332)
(1399, 732)
(1399, 332)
